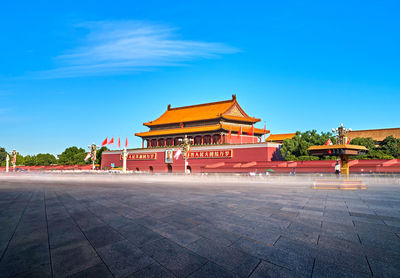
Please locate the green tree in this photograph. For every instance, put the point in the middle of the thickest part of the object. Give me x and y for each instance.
(391, 146)
(30, 160)
(3, 155)
(45, 159)
(366, 142)
(72, 156)
(296, 148)
(98, 154)
(20, 159)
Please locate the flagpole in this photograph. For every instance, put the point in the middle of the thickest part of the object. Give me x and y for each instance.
(124, 156)
(7, 163)
(265, 129)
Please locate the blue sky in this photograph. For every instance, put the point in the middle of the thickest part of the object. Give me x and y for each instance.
(75, 72)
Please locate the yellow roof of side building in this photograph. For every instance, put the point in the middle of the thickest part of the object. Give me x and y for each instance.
(229, 109)
(375, 134)
(279, 137)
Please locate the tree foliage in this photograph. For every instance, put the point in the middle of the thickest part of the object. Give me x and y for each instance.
(296, 148)
(389, 148)
(369, 143)
(98, 155)
(72, 156)
(3, 155)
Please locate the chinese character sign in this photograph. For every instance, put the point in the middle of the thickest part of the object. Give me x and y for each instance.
(211, 154)
(140, 156)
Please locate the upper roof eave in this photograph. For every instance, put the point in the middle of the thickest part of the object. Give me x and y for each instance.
(216, 111)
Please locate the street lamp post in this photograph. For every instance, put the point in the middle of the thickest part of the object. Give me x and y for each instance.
(93, 151)
(185, 145)
(341, 137)
(14, 159)
(342, 149)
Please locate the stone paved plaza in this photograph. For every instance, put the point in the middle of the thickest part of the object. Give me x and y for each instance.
(162, 226)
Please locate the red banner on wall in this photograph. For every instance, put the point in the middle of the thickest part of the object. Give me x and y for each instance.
(211, 154)
(140, 156)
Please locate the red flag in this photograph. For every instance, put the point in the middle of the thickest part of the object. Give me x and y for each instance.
(329, 142)
(177, 153)
(265, 128)
(119, 142)
(104, 142)
(126, 142)
(348, 140)
(111, 141)
(251, 131)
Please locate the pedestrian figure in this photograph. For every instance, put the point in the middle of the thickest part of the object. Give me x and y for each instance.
(337, 168)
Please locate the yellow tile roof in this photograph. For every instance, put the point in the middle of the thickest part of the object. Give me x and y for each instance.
(184, 130)
(375, 134)
(235, 128)
(248, 119)
(279, 137)
(200, 112)
(197, 129)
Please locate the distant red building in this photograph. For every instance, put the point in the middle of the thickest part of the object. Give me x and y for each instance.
(221, 132)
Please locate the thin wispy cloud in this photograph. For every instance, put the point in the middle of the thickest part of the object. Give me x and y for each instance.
(117, 47)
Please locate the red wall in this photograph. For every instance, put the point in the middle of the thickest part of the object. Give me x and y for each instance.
(248, 158)
(237, 166)
(318, 166)
(244, 154)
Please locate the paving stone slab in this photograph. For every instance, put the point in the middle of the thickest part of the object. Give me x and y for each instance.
(138, 235)
(152, 271)
(39, 271)
(165, 251)
(185, 264)
(265, 269)
(24, 258)
(382, 269)
(73, 258)
(213, 233)
(381, 239)
(123, 258)
(100, 271)
(181, 237)
(325, 270)
(230, 258)
(212, 270)
(102, 235)
(292, 261)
